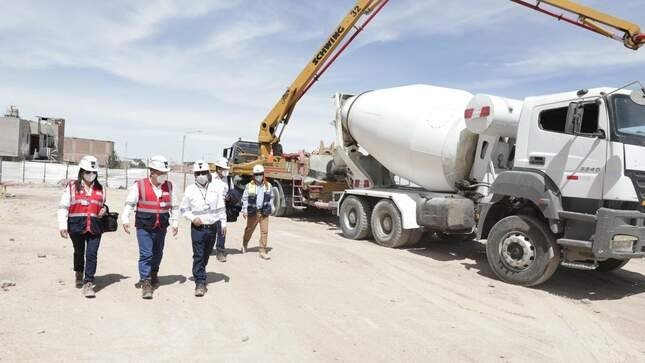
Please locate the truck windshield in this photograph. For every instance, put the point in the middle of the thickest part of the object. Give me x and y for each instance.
(629, 117)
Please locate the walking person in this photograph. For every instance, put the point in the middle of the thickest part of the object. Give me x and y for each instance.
(220, 183)
(200, 205)
(79, 217)
(156, 209)
(256, 208)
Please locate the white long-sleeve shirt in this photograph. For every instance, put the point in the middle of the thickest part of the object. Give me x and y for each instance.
(65, 202)
(221, 185)
(204, 203)
(133, 198)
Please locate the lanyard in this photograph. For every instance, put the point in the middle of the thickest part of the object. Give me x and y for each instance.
(204, 194)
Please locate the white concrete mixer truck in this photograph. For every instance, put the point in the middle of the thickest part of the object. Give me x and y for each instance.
(552, 180)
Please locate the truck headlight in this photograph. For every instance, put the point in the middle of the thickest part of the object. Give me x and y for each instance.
(623, 243)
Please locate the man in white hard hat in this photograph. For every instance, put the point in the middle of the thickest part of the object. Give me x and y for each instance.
(156, 209)
(200, 205)
(256, 208)
(220, 183)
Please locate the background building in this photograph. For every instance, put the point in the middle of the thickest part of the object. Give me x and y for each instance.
(76, 148)
(32, 140)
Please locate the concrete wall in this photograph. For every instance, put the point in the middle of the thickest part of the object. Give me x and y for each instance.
(14, 137)
(75, 148)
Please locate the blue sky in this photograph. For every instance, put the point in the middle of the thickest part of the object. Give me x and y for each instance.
(145, 72)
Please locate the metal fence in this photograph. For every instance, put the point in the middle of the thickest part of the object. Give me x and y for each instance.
(58, 174)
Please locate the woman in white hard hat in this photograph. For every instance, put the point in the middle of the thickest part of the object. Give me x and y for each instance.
(156, 210)
(256, 208)
(79, 218)
(220, 183)
(201, 204)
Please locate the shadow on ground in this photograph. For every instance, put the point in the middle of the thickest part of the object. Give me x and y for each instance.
(101, 282)
(214, 277)
(570, 283)
(316, 216)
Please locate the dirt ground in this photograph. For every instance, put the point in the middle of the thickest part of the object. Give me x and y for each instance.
(321, 298)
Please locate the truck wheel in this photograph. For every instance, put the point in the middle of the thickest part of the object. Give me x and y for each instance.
(387, 225)
(355, 218)
(521, 250)
(611, 265)
(278, 200)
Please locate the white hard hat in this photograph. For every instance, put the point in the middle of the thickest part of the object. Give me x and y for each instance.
(258, 169)
(200, 165)
(160, 163)
(89, 163)
(222, 163)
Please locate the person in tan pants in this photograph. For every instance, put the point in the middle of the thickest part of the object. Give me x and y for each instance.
(256, 208)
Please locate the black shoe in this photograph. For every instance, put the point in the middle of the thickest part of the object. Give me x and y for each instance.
(221, 256)
(200, 289)
(146, 289)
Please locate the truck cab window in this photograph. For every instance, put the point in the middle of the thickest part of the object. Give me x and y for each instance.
(590, 119)
(553, 120)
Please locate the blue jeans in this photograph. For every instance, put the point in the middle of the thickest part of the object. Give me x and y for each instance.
(86, 249)
(151, 242)
(221, 238)
(203, 242)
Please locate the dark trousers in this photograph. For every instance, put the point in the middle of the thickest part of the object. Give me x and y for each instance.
(151, 243)
(86, 249)
(221, 238)
(203, 242)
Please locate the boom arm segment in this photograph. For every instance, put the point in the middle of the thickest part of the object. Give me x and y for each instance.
(594, 20)
(281, 112)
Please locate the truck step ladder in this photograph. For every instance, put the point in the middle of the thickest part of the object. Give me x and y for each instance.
(297, 197)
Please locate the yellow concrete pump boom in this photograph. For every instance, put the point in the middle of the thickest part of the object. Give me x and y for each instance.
(281, 112)
(594, 20)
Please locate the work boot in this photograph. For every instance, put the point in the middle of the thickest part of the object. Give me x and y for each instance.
(88, 290)
(79, 279)
(221, 256)
(154, 279)
(245, 245)
(146, 289)
(200, 289)
(264, 254)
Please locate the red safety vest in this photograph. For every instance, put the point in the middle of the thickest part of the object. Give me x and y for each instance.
(148, 201)
(84, 205)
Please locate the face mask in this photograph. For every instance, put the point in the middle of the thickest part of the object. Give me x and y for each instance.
(201, 179)
(259, 178)
(223, 173)
(89, 177)
(162, 178)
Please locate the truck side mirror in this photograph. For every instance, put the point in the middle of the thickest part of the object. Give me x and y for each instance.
(638, 96)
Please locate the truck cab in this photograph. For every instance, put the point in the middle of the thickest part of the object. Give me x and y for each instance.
(578, 170)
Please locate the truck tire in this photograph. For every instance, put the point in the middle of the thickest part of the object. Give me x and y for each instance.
(278, 200)
(387, 226)
(611, 264)
(354, 218)
(521, 250)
